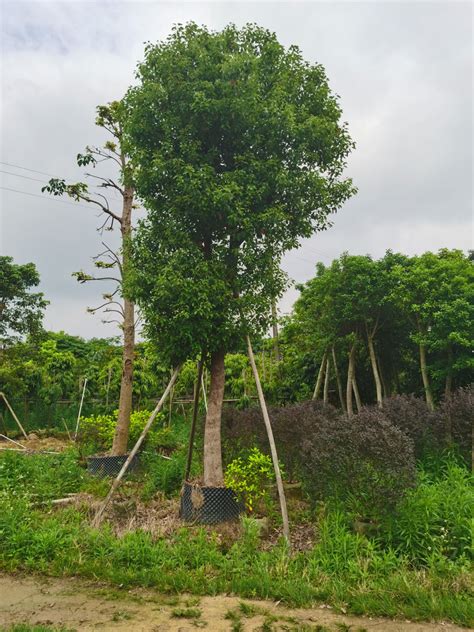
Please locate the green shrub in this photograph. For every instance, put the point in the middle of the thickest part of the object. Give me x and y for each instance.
(98, 430)
(249, 477)
(435, 518)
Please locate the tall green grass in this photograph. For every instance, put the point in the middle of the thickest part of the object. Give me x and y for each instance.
(390, 575)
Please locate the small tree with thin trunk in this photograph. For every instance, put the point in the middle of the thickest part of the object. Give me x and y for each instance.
(239, 152)
(121, 310)
(435, 290)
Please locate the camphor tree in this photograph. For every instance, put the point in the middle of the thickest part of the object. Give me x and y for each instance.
(110, 118)
(21, 310)
(238, 151)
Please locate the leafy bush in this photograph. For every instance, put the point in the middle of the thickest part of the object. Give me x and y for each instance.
(98, 431)
(411, 415)
(458, 417)
(249, 477)
(243, 429)
(363, 462)
(435, 518)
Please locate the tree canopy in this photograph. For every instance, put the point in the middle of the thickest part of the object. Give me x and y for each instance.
(21, 310)
(239, 151)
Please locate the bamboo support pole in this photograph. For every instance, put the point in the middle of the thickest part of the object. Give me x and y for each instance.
(100, 512)
(197, 390)
(204, 391)
(12, 441)
(13, 414)
(268, 426)
(80, 409)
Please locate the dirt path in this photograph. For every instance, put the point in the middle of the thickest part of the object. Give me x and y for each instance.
(80, 605)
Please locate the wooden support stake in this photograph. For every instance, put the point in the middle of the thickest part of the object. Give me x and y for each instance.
(271, 440)
(204, 391)
(80, 410)
(195, 416)
(12, 441)
(67, 429)
(100, 512)
(13, 414)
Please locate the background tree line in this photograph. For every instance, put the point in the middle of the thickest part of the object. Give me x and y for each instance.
(361, 330)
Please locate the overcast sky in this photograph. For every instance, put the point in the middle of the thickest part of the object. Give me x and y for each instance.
(403, 71)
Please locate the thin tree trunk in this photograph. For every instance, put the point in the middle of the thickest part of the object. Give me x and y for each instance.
(385, 387)
(319, 381)
(426, 379)
(375, 370)
(326, 383)
(126, 386)
(213, 473)
(338, 380)
(350, 377)
(449, 375)
(355, 388)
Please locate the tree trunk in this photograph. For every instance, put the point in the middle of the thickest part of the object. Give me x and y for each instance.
(126, 386)
(326, 383)
(319, 381)
(350, 378)
(425, 376)
(375, 370)
(449, 375)
(355, 388)
(338, 380)
(386, 390)
(213, 474)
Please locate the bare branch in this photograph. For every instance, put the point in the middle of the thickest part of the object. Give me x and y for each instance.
(106, 182)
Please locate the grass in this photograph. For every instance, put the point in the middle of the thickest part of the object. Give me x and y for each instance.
(347, 570)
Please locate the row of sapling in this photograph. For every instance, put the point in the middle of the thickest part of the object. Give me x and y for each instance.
(423, 302)
(238, 151)
(117, 304)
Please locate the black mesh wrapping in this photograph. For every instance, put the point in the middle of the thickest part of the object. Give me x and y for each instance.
(209, 505)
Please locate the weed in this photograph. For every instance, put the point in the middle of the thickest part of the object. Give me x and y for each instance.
(235, 619)
(122, 615)
(186, 613)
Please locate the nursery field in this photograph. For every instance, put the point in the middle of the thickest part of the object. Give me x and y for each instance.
(218, 463)
(365, 553)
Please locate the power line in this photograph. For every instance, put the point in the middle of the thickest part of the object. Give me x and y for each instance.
(42, 173)
(42, 197)
(18, 175)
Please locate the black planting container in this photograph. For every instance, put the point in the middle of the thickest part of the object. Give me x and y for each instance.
(103, 466)
(209, 505)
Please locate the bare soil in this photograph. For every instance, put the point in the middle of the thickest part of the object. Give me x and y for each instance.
(84, 606)
(36, 443)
